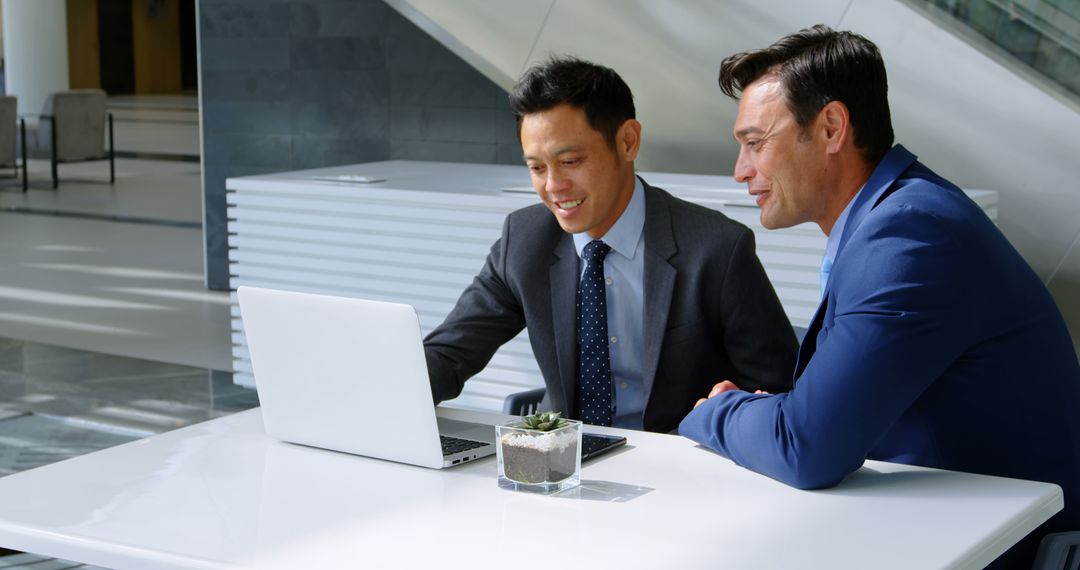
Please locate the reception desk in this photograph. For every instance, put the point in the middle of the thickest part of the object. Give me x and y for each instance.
(421, 234)
(223, 494)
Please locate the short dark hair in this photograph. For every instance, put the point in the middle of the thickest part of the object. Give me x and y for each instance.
(598, 90)
(818, 65)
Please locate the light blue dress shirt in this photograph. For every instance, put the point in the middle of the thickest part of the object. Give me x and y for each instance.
(832, 244)
(624, 270)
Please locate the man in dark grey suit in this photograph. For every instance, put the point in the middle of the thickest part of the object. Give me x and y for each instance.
(658, 297)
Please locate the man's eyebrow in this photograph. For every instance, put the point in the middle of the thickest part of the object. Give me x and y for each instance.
(563, 150)
(747, 131)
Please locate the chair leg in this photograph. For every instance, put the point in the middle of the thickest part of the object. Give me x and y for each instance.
(22, 129)
(112, 153)
(55, 178)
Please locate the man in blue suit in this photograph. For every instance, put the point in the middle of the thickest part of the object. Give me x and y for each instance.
(935, 343)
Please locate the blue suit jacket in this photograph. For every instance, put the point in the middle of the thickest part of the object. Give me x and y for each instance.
(935, 345)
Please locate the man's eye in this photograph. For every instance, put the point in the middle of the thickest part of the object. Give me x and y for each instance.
(536, 169)
(752, 144)
(570, 161)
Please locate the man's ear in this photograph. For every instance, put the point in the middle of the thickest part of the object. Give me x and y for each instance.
(628, 140)
(835, 122)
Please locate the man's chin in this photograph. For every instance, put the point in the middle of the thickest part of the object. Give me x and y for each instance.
(570, 228)
(772, 223)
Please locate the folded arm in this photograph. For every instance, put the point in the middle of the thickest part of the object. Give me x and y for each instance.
(893, 334)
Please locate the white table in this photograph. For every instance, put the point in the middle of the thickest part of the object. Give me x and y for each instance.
(222, 494)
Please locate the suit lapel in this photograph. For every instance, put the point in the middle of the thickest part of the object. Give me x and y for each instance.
(878, 187)
(659, 281)
(563, 277)
(809, 343)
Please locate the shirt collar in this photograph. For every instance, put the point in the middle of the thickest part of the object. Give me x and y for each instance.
(623, 237)
(832, 245)
(891, 166)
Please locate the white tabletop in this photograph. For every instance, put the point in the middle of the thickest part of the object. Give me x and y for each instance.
(222, 494)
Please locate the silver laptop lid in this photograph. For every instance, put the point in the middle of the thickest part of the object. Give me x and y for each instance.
(342, 374)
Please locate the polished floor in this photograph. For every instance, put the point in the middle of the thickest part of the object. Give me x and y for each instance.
(115, 268)
(107, 334)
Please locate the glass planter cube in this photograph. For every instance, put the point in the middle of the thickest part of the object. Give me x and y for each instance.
(539, 461)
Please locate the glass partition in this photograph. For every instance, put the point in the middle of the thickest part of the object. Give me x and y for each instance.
(1041, 35)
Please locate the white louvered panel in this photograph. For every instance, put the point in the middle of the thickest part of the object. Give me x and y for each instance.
(776, 258)
(427, 273)
(495, 380)
(391, 227)
(243, 363)
(373, 251)
(357, 237)
(387, 287)
(421, 237)
(428, 310)
(437, 204)
(445, 212)
(439, 215)
(468, 401)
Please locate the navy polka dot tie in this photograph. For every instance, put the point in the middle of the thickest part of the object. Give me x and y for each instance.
(594, 366)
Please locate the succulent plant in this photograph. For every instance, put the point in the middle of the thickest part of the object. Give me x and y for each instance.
(544, 421)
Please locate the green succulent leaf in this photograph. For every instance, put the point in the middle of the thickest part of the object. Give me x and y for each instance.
(543, 421)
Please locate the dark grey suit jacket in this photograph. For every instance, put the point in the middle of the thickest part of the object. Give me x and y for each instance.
(710, 312)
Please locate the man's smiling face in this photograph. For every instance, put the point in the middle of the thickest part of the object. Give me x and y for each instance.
(583, 180)
(781, 163)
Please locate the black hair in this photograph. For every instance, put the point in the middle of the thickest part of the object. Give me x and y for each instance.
(598, 90)
(818, 65)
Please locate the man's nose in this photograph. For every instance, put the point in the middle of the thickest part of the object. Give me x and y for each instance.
(744, 170)
(557, 181)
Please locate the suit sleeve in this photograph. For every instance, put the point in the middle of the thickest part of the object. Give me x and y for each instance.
(897, 326)
(757, 334)
(487, 315)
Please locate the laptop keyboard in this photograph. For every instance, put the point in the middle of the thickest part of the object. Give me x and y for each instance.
(452, 445)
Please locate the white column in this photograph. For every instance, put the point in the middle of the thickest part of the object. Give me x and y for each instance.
(35, 50)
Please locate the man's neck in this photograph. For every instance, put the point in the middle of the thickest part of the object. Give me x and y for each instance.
(847, 184)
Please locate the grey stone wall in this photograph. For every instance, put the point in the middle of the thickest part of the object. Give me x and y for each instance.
(289, 85)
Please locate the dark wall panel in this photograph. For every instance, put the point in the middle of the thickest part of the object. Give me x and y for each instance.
(295, 84)
(117, 46)
(189, 71)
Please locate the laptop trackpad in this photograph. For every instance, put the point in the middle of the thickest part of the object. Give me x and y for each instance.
(467, 430)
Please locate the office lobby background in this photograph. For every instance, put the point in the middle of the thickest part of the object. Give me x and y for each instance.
(289, 85)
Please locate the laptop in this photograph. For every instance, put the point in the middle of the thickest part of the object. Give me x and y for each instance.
(350, 375)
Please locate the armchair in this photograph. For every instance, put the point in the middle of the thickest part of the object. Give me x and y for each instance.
(8, 136)
(71, 128)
